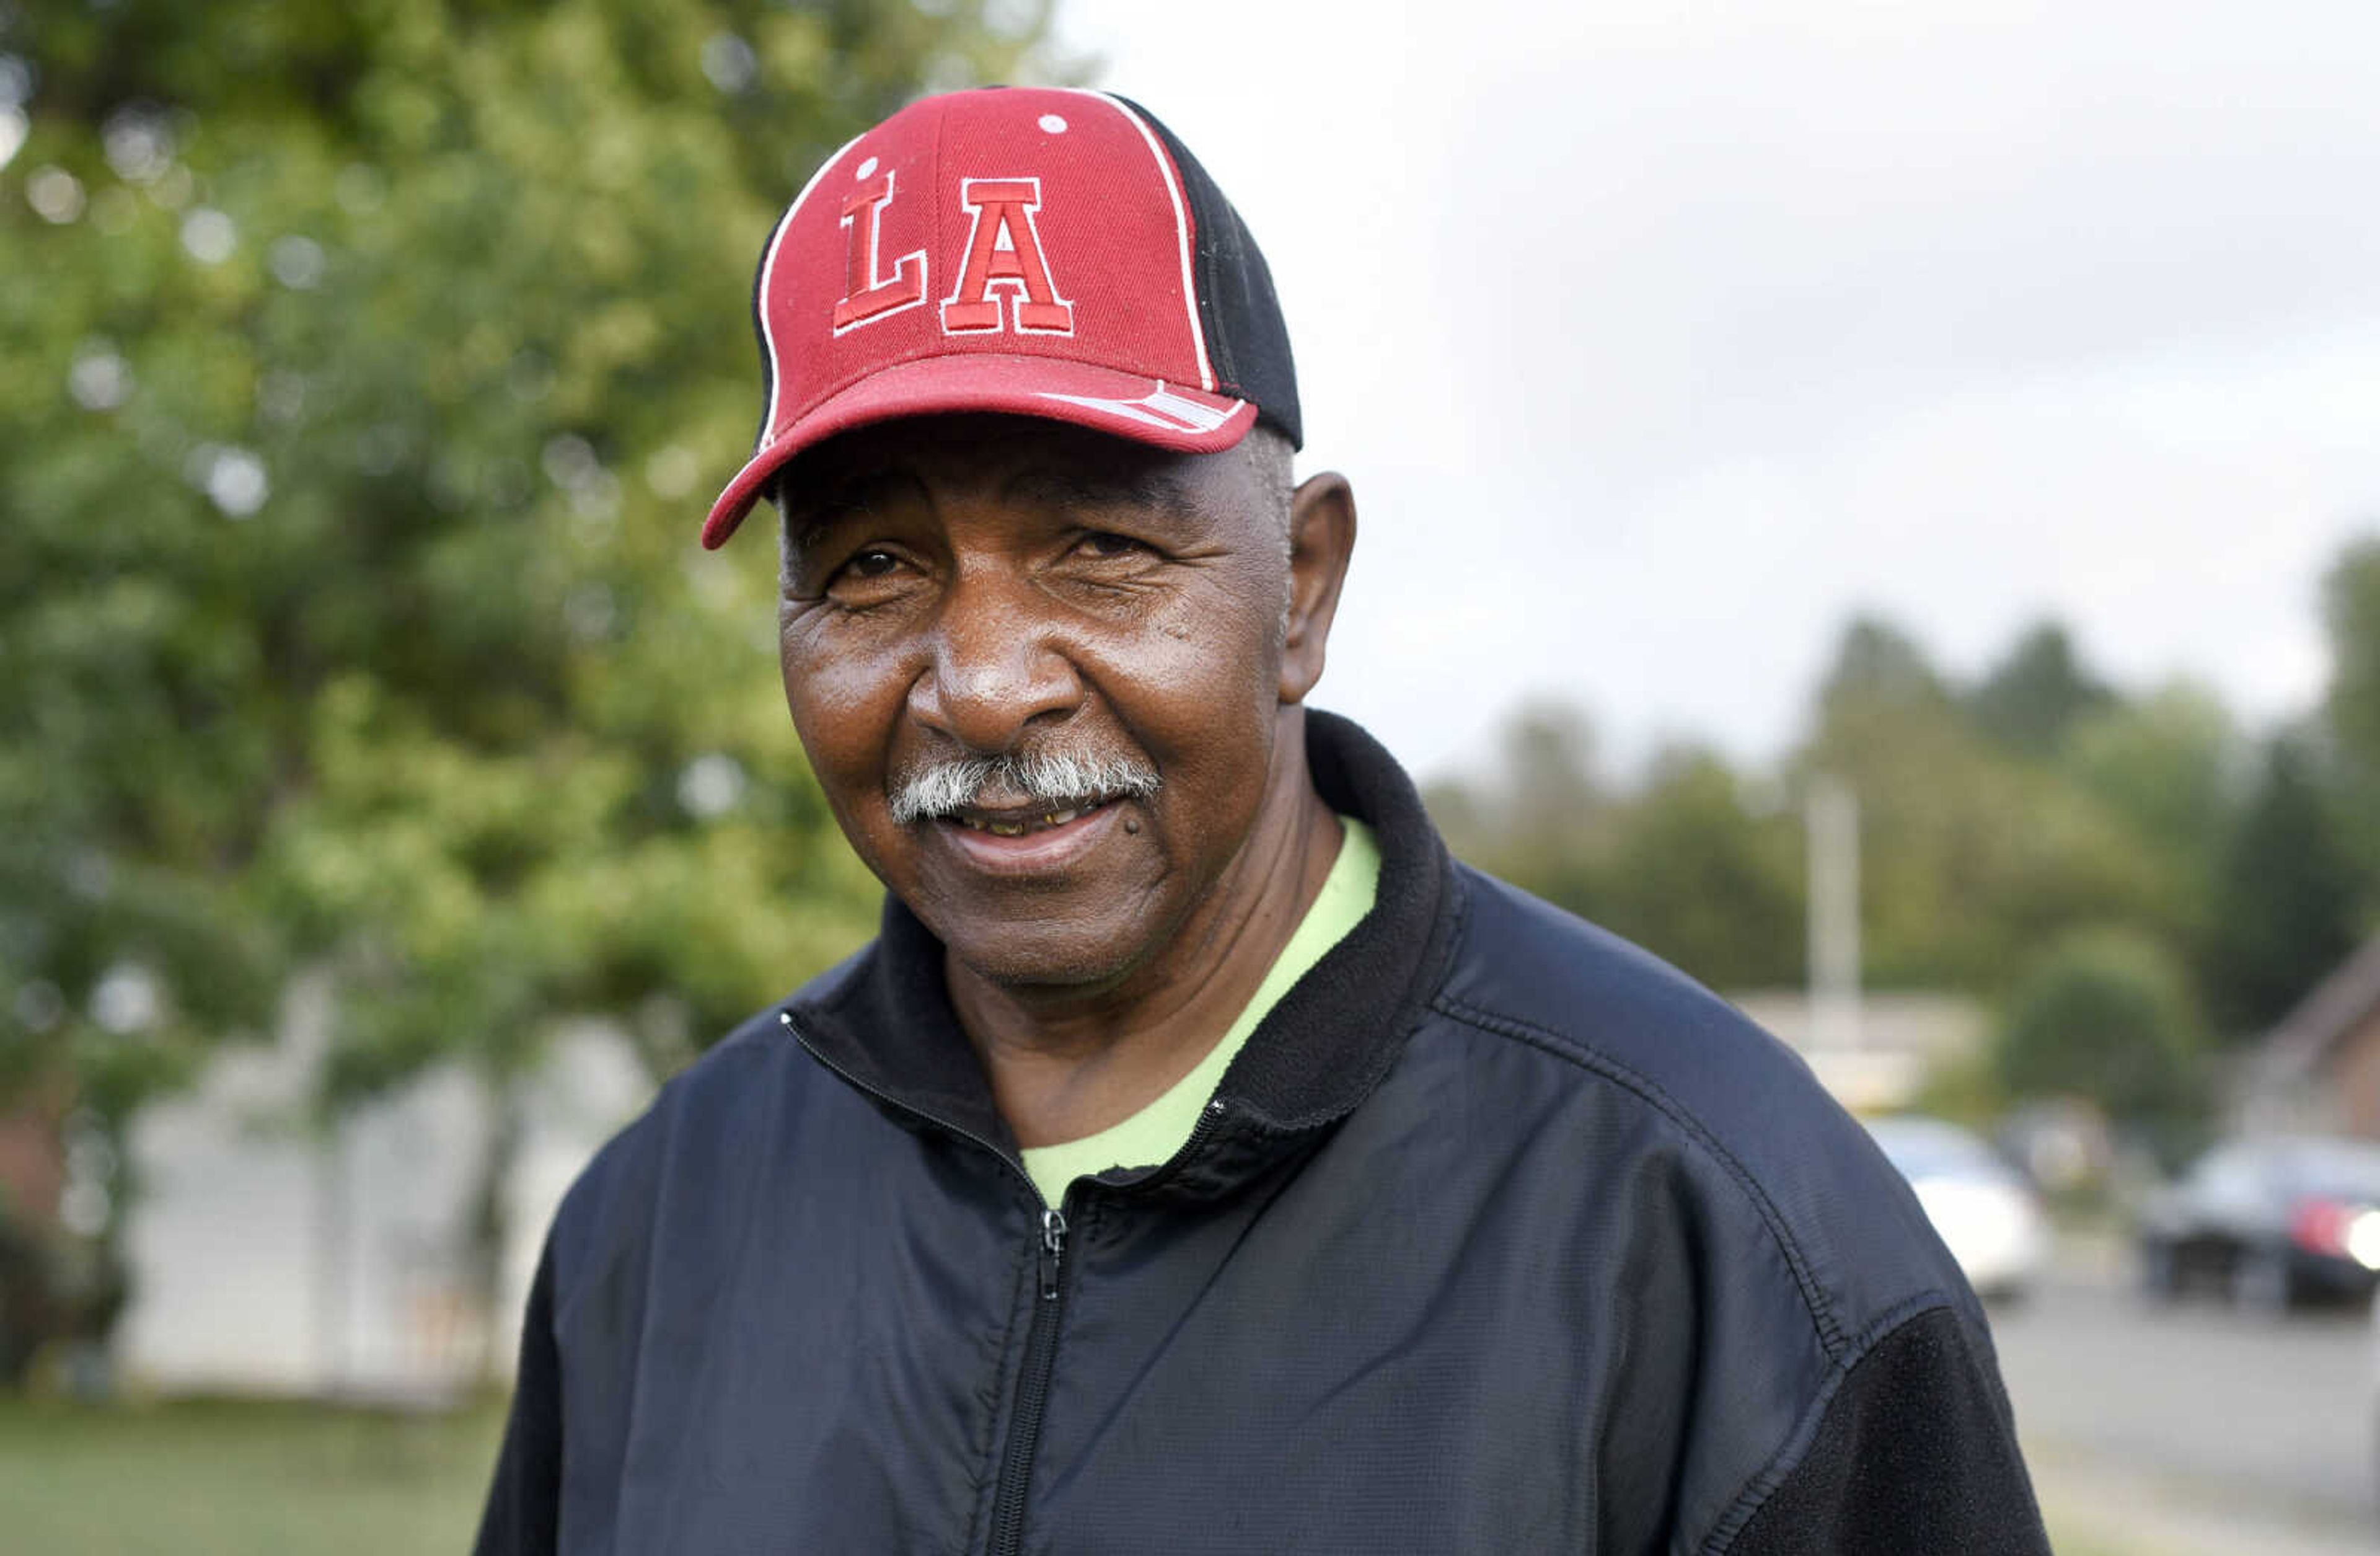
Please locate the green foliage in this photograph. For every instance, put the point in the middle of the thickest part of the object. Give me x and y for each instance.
(1878, 668)
(2351, 599)
(2286, 913)
(369, 369)
(1544, 820)
(2169, 765)
(2037, 693)
(2000, 823)
(1696, 870)
(1686, 865)
(1970, 854)
(2107, 1015)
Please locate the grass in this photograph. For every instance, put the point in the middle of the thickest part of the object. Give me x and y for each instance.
(221, 1479)
(226, 1478)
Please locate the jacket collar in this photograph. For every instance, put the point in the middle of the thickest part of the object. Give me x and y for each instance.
(885, 1023)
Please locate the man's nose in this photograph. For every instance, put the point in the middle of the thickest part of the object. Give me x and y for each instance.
(996, 667)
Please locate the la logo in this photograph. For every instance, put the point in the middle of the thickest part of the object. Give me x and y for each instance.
(1003, 251)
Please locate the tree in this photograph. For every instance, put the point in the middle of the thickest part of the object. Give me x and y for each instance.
(1679, 864)
(367, 366)
(1878, 668)
(1550, 778)
(1534, 819)
(2173, 768)
(2037, 693)
(1701, 878)
(2286, 899)
(2350, 603)
(1971, 855)
(2172, 765)
(2107, 1015)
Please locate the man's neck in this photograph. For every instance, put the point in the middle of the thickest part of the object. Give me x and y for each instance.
(1065, 1064)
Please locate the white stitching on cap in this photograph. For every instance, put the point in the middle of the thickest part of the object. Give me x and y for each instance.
(1181, 228)
(768, 269)
(1185, 415)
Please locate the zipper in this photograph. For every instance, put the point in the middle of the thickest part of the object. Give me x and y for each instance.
(1208, 1117)
(1040, 1339)
(1032, 1394)
(1053, 1249)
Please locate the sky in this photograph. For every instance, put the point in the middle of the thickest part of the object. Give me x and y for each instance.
(1657, 339)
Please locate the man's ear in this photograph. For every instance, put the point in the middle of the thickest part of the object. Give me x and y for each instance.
(1321, 540)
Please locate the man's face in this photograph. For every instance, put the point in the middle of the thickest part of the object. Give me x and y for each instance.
(981, 587)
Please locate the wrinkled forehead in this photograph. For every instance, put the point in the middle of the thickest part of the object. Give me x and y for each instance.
(1014, 459)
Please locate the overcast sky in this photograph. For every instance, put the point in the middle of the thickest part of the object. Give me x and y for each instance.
(1656, 338)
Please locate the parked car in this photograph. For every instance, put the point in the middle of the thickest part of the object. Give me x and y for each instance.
(1982, 1208)
(2271, 1220)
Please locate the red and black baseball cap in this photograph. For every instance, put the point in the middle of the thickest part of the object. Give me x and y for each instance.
(1046, 253)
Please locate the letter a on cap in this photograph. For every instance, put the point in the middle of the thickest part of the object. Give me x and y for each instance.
(1005, 250)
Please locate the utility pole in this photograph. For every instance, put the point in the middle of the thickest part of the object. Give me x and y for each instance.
(1831, 814)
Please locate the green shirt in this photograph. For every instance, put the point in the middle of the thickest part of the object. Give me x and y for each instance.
(1160, 1129)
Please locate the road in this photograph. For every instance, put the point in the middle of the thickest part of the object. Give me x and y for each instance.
(2189, 1428)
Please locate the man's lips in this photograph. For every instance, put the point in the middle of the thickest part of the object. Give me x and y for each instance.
(1027, 842)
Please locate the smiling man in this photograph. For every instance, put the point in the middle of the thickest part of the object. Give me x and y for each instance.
(1199, 1160)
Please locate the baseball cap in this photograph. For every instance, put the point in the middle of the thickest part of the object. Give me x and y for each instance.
(1048, 252)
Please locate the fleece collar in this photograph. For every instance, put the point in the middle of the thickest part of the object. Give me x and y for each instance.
(885, 1024)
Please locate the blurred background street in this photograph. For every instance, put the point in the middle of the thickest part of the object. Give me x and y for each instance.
(2192, 1427)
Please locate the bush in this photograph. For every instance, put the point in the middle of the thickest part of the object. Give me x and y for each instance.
(2108, 1016)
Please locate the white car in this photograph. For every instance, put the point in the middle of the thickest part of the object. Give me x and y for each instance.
(1981, 1208)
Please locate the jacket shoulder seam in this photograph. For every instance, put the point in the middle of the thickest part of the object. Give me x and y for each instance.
(1822, 1317)
(1738, 1514)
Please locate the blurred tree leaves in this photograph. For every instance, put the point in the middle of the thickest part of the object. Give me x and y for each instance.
(2350, 601)
(369, 368)
(2289, 909)
(1690, 863)
(2032, 698)
(2108, 1013)
(2120, 876)
(1973, 851)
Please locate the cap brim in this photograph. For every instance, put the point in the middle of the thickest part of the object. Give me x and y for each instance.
(1143, 410)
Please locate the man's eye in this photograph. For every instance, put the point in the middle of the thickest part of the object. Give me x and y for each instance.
(869, 575)
(1106, 543)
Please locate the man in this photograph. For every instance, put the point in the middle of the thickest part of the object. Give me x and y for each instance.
(1199, 1160)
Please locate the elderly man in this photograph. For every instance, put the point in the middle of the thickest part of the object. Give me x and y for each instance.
(1199, 1160)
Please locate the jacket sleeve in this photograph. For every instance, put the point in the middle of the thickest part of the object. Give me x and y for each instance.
(523, 1504)
(1915, 1451)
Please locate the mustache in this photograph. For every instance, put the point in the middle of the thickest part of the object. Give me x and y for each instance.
(1051, 780)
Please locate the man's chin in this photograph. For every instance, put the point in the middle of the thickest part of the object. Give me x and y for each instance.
(1044, 957)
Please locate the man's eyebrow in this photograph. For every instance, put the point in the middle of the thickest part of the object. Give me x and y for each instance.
(1147, 487)
(806, 505)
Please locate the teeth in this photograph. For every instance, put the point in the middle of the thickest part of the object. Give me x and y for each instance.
(1018, 829)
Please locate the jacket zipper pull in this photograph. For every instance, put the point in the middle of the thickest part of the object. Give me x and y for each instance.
(1053, 1249)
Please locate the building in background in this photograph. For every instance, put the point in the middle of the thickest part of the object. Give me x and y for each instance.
(2318, 1072)
(269, 1255)
(1884, 1057)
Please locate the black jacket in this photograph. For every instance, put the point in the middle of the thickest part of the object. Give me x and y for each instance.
(1499, 1235)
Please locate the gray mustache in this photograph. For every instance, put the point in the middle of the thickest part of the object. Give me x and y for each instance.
(1051, 780)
